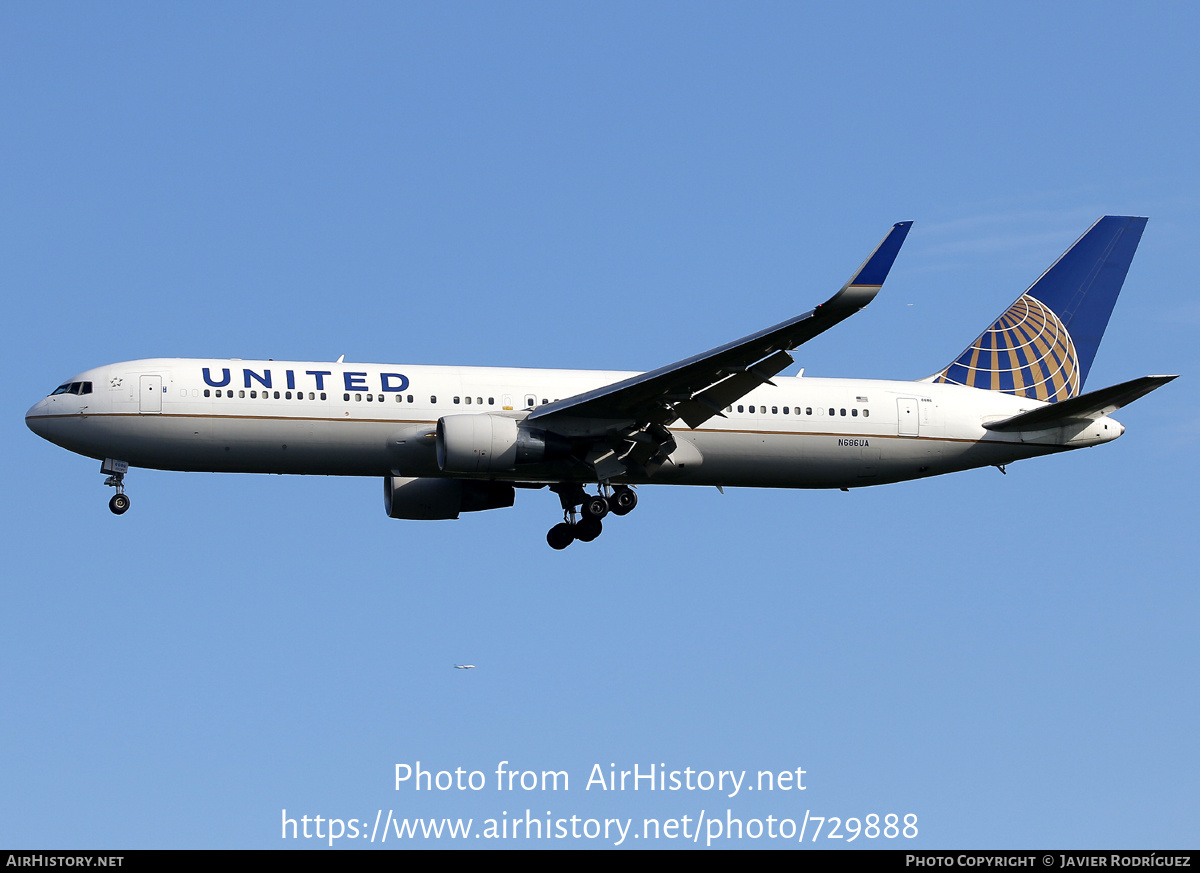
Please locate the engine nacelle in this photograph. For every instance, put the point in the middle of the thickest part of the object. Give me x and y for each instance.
(436, 499)
(486, 443)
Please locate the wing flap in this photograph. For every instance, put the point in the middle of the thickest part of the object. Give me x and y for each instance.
(712, 401)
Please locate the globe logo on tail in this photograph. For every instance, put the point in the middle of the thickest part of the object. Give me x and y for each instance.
(1027, 352)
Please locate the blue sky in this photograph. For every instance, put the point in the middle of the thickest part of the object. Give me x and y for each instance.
(1013, 659)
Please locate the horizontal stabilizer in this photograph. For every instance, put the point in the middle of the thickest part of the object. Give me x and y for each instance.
(1093, 405)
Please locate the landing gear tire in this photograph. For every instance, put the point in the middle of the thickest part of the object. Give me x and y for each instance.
(595, 507)
(119, 504)
(588, 529)
(623, 501)
(560, 536)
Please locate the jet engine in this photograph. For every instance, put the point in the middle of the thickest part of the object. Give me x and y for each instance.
(436, 499)
(488, 443)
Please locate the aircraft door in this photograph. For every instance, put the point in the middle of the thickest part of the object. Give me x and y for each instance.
(906, 416)
(152, 392)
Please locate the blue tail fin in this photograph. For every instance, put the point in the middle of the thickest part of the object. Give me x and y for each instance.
(1044, 344)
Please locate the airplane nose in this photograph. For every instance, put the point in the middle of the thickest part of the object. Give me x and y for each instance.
(35, 418)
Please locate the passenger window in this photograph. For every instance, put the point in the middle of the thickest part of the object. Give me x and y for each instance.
(468, 401)
(751, 408)
(854, 412)
(287, 395)
(276, 395)
(491, 401)
(456, 400)
(433, 399)
(544, 401)
(479, 401)
(740, 409)
(808, 411)
(205, 392)
(311, 396)
(866, 412)
(410, 398)
(843, 412)
(832, 411)
(322, 395)
(242, 393)
(785, 410)
(381, 398)
(774, 410)
(345, 396)
(253, 395)
(358, 398)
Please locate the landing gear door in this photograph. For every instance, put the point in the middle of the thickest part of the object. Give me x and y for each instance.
(152, 392)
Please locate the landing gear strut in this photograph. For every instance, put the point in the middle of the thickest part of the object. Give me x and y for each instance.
(586, 523)
(116, 471)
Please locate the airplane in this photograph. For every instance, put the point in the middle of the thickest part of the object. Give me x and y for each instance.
(449, 440)
(464, 666)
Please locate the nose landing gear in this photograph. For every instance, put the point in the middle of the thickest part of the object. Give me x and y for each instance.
(116, 471)
(586, 523)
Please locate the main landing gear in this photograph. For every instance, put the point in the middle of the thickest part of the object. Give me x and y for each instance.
(116, 471)
(586, 523)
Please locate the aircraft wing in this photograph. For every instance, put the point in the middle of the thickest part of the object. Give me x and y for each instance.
(699, 387)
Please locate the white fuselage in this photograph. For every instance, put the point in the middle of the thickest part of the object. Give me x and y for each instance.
(374, 420)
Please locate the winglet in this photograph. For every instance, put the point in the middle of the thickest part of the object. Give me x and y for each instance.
(868, 279)
(875, 269)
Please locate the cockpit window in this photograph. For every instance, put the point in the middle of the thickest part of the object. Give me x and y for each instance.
(73, 388)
